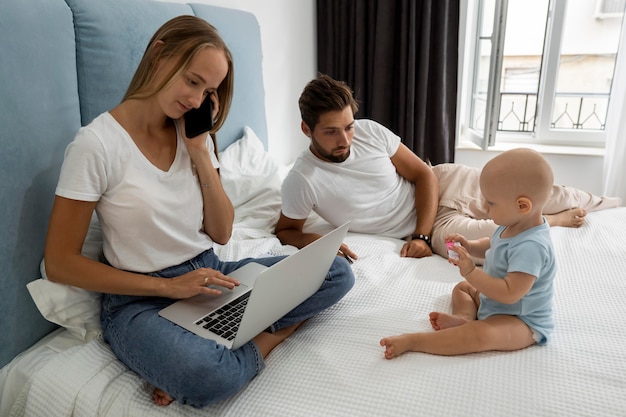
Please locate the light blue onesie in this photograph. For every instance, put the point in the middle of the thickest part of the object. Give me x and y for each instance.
(529, 252)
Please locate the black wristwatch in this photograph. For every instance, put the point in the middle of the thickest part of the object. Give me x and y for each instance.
(420, 236)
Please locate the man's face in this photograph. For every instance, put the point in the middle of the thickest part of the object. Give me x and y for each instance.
(332, 136)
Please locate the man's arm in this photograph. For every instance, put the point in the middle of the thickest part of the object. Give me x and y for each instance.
(289, 232)
(413, 169)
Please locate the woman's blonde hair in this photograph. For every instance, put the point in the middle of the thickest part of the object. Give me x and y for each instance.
(183, 37)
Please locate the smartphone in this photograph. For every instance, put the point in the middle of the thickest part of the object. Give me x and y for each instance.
(199, 120)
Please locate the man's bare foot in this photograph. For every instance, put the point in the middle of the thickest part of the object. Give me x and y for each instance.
(569, 218)
(396, 345)
(441, 321)
(161, 397)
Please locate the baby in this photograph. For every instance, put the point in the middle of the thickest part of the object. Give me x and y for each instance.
(508, 304)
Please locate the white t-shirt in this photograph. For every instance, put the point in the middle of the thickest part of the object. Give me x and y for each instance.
(151, 219)
(365, 188)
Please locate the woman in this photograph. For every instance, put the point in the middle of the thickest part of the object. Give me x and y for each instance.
(161, 205)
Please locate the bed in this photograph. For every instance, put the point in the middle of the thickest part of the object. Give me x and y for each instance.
(333, 365)
(58, 365)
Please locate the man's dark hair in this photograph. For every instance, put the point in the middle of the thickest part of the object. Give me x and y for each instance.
(322, 95)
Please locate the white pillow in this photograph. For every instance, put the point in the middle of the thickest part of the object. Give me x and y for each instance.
(75, 309)
(252, 181)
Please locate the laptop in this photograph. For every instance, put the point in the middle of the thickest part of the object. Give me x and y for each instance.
(264, 295)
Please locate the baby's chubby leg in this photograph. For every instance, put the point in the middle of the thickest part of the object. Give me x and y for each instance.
(465, 301)
(502, 333)
(441, 321)
(397, 345)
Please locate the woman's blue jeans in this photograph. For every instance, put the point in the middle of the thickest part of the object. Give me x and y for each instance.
(191, 369)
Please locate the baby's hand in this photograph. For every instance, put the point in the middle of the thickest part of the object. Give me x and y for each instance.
(456, 237)
(462, 259)
(459, 256)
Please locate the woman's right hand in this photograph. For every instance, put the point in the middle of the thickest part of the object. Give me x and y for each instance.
(196, 282)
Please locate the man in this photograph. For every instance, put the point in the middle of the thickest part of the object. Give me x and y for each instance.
(358, 170)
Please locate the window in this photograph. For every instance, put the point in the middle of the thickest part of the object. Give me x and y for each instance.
(541, 70)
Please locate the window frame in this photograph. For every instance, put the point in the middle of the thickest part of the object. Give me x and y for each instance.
(543, 134)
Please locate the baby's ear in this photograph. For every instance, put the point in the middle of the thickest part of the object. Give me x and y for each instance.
(524, 204)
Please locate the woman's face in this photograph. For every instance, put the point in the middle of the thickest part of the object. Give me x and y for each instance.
(205, 73)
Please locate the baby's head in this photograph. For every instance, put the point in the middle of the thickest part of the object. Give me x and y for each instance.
(518, 179)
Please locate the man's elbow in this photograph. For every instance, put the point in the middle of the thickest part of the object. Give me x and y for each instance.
(282, 235)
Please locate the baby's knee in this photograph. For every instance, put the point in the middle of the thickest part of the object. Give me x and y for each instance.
(465, 287)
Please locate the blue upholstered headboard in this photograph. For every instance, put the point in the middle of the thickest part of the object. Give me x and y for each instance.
(62, 62)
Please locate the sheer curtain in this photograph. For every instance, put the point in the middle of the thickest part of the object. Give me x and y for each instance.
(401, 59)
(615, 153)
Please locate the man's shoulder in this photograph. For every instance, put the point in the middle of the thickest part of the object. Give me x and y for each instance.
(370, 133)
(369, 127)
(366, 124)
(303, 164)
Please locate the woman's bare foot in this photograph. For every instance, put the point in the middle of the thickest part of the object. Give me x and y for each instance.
(569, 218)
(441, 321)
(161, 397)
(266, 341)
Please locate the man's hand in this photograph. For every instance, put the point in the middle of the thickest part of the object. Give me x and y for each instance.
(415, 249)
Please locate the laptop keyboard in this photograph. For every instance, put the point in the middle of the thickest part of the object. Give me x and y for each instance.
(225, 320)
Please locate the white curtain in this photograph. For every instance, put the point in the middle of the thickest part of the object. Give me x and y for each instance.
(614, 175)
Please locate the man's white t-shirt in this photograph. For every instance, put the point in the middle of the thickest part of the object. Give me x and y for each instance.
(365, 188)
(151, 219)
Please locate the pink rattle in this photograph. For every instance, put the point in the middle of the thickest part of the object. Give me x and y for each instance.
(452, 254)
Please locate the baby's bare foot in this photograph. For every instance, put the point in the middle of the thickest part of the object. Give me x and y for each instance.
(441, 321)
(396, 345)
(161, 397)
(569, 218)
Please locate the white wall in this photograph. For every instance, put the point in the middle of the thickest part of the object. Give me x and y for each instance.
(580, 171)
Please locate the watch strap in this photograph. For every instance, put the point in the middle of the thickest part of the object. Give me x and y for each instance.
(420, 236)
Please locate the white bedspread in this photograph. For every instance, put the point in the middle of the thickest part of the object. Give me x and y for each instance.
(333, 365)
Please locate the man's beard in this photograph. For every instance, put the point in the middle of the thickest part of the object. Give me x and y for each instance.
(329, 156)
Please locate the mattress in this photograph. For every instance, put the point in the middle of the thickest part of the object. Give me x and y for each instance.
(334, 366)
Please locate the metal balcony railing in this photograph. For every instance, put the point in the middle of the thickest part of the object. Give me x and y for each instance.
(574, 111)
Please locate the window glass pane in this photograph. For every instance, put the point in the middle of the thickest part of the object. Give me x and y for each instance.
(481, 84)
(586, 65)
(481, 69)
(521, 64)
